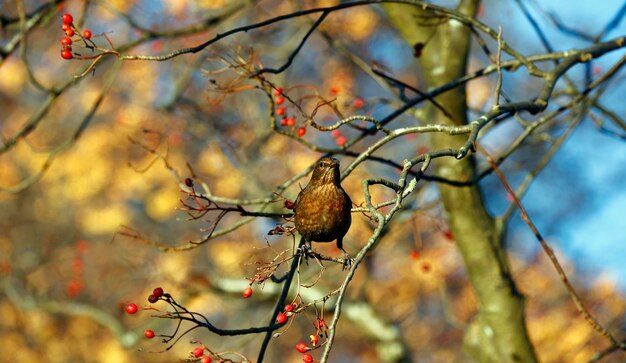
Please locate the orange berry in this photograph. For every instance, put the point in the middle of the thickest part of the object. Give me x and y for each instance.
(358, 103)
(301, 347)
(281, 318)
(198, 352)
(131, 308)
(67, 19)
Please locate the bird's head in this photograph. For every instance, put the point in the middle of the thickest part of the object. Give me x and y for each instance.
(326, 172)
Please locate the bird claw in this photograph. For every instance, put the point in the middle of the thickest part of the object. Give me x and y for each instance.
(306, 251)
(347, 261)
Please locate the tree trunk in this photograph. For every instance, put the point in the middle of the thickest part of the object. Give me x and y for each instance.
(498, 332)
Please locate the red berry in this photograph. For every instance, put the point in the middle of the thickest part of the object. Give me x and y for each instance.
(67, 19)
(301, 347)
(247, 292)
(278, 91)
(65, 27)
(188, 182)
(291, 121)
(358, 103)
(314, 339)
(280, 100)
(148, 334)
(66, 41)
(131, 308)
(280, 111)
(289, 205)
(69, 32)
(206, 359)
(334, 90)
(198, 351)
(289, 308)
(283, 122)
(152, 299)
(335, 133)
(414, 254)
(281, 318)
(66, 54)
(158, 292)
(307, 358)
(87, 34)
(74, 287)
(301, 131)
(341, 140)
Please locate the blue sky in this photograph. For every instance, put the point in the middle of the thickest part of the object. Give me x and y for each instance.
(578, 201)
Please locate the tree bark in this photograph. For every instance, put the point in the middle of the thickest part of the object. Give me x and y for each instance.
(498, 331)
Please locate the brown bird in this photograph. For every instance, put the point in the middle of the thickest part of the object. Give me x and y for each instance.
(322, 209)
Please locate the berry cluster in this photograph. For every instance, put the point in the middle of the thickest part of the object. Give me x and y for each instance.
(156, 295)
(77, 283)
(198, 352)
(281, 111)
(303, 348)
(70, 36)
(340, 139)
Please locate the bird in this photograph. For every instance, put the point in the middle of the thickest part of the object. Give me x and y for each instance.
(322, 208)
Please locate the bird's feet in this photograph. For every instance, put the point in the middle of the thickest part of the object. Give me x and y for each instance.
(347, 260)
(306, 251)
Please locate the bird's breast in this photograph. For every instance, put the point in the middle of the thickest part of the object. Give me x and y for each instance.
(322, 213)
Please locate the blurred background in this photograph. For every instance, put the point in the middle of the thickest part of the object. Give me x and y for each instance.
(107, 154)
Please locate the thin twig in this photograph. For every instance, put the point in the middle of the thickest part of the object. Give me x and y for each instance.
(496, 96)
(550, 253)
